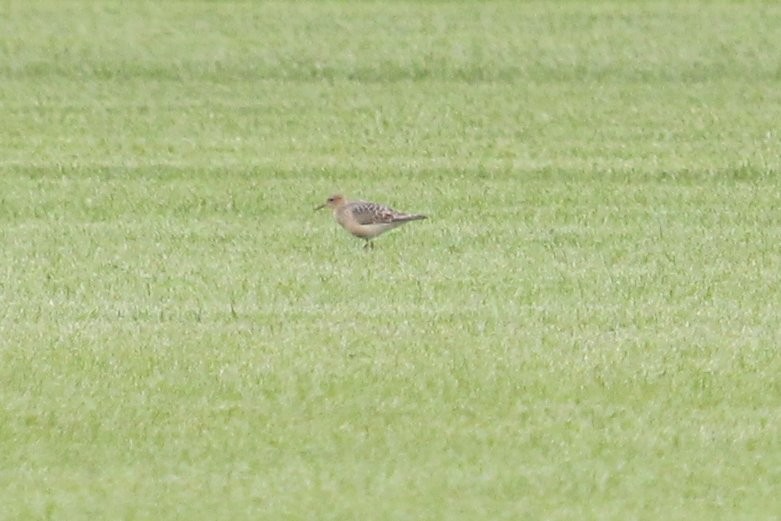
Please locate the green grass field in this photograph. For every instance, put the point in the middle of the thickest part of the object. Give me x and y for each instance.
(587, 327)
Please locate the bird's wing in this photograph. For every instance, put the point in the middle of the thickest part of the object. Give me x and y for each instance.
(372, 213)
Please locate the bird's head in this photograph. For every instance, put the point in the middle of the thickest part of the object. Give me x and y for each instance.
(335, 201)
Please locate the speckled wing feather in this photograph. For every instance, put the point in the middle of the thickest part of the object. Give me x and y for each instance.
(365, 212)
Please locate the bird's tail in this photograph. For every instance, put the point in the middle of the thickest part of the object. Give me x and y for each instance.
(410, 217)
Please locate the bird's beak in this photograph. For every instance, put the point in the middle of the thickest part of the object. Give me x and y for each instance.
(320, 207)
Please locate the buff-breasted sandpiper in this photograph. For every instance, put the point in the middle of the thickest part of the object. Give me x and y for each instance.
(366, 220)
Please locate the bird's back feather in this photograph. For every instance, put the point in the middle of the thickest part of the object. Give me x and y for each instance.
(365, 212)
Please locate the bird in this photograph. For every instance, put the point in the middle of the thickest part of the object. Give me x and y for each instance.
(364, 219)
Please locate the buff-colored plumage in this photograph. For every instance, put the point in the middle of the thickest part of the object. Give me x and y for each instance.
(364, 219)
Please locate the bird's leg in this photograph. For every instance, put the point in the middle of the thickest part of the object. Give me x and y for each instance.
(369, 245)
